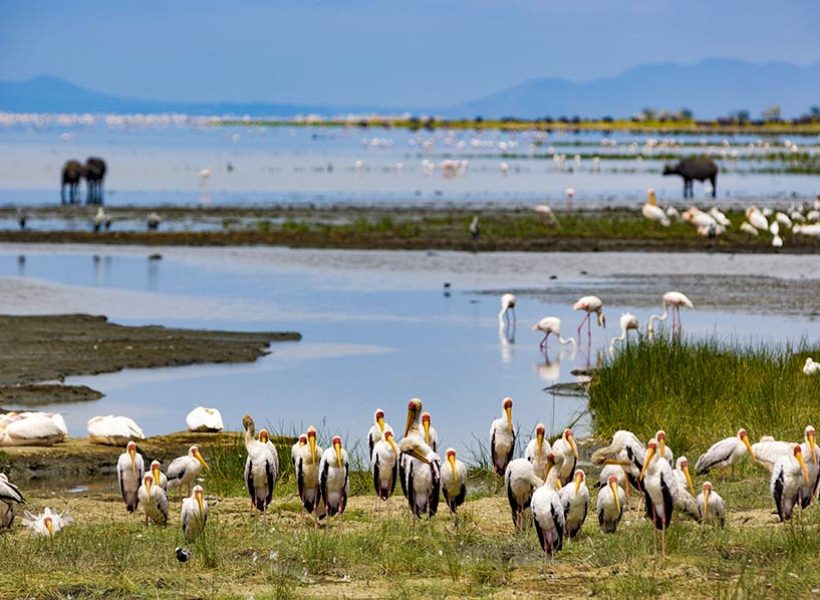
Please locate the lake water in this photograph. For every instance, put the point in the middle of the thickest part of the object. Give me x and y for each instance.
(379, 329)
(152, 164)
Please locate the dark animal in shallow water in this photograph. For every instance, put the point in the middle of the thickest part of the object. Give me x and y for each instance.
(694, 168)
(72, 174)
(94, 174)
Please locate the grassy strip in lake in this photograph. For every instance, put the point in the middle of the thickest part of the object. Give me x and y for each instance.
(700, 392)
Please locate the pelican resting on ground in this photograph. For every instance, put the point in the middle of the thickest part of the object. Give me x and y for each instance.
(575, 500)
(205, 420)
(10, 498)
(32, 429)
(710, 506)
(520, 481)
(184, 470)
(48, 523)
(154, 501)
(261, 467)
(610, 505)
(377, 430)
(537, 450)
(454, 481)
(725, 453)
(660, 490)
(333, 477)
(130, 469)
(194, 514)
(674, 300)
(811, 367)
(788, 473)
(113, 431)
(502, 438)
(384, 465)
(307, 474)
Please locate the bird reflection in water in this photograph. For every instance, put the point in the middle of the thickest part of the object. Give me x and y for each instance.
(506, 341)
(21, 265)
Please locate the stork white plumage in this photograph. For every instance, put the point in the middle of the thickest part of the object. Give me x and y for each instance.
(10, 498)
(551, 326)
(788, 474)
(154, 501)
(575, 500)
(685, 500)
(376, 432)
(430, 433)
(652, 212)
(194, 514)
(710, 506)
(454, 481)
(130, 469)
(419, 466)
(300, 443)
(548, 514)
(537, 450)
(665, 451)
(566, 456)
(610, 505)
(674, 300)
(520, 481)
(159, 477)
(626, 451)
(725, 453)
(768, 450)
(261, 467)
(502, 438)
(113, 431)
(660, 490)
(203, 419)
(184, 469)
(384, 465)
(307, 474)
(334, 480)
(48, 523)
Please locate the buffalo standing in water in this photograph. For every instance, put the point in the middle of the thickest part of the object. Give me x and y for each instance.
(94, 175)
(694, 168)
(72, 174)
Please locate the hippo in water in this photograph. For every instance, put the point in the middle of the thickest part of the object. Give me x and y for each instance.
(692, 168)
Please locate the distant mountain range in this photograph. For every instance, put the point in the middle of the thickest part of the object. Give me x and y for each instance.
(710, 88)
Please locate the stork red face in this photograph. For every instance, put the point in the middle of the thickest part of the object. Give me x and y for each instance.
(264, 436)
(311, 436)
(451, 458)
(612, 482)
(506, 405)
(379, 417)
(744, 437)
(413, 410)
(571, 441)
(337, 446)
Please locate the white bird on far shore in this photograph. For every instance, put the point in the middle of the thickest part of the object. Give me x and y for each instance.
(652, 212)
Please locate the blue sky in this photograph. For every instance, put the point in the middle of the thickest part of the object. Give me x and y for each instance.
(384, 52)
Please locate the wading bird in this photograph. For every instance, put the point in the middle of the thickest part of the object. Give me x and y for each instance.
(520, 481)
(626, 451)
(537, 450)
(629, 322)
(333, 477)
(768, 450)
(419, 466)
(194, 514)
(159, 477)
(502, 438)
(551, 325)
(454, 481)
(154, 501)
(590, 304)
(575, 500)
(665, 451)
(384, 465)
(48, 523)
(788, 474)
(297, 446)
(183, 470)
(506, 317)
(610, 505)
(376, 432)
(660, 490)
(10, 498)
(710, 506)
(725, 453)
(652, 212)
(307, 474)
(113, 431)
(204, 420)
(261, 467)
(548, 514)
(674, 300)
(566, 456)
(685, 500)
(130, 469)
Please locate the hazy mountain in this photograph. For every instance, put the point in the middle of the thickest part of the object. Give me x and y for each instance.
(710, 88)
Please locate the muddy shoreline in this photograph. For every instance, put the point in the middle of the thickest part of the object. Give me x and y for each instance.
(37, 349)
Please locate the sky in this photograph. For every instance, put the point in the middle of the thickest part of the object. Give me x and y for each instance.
(381, 52)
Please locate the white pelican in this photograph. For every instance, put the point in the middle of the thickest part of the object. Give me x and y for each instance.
(159, 477)
(203, 419)
(130, 469)
(507, 315)
(756, 218)
(575, 500)
(454, 481)
(384, 465)
(726, 452)
(10, 497)
(537, 450)
(194, 514)
(261, 467)
(48, 523)
(660, 490)
(419, 466)
(811, 367)
(520, 481)
(551, 325)
(788, 474)
(548, 514)
(721, 218)
(547, 215)
(154, 501)
(610, 504)
(675, 300)
(566, 453)
(685, 500)
(627, 451)
(113, 431)
(710, 506)
(32, 429)
(813, 229)
(294, 450)
(430, 433)
(652, 212)
(748, 228)
(502, 438)
(590, 304)
(333, 477)
(629, 322)
(307, 474)
(377, 430)
(183, 470)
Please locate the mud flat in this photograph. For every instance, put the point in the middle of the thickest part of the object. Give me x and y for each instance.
(36, 349)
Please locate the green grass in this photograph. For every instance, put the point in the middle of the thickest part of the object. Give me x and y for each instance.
(700, 392)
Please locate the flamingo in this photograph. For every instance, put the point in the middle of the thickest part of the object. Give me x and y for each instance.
(675, 300)
(629, 322)
(551, 325)
(507, 315)
(590, 304)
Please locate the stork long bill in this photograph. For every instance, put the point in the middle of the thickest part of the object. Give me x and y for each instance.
(578, 479)
(706, 493)
(198, 456)
(812, 447)
(613, 485)
(799, 456)
(650, 453)
(312, 442)
(452, 460)
(508, 410)
(688, 478)
(338, 448)
(749, 446)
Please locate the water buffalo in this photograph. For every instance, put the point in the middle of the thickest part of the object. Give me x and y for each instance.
(694, 168)
(94, 175)
(72, 174)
